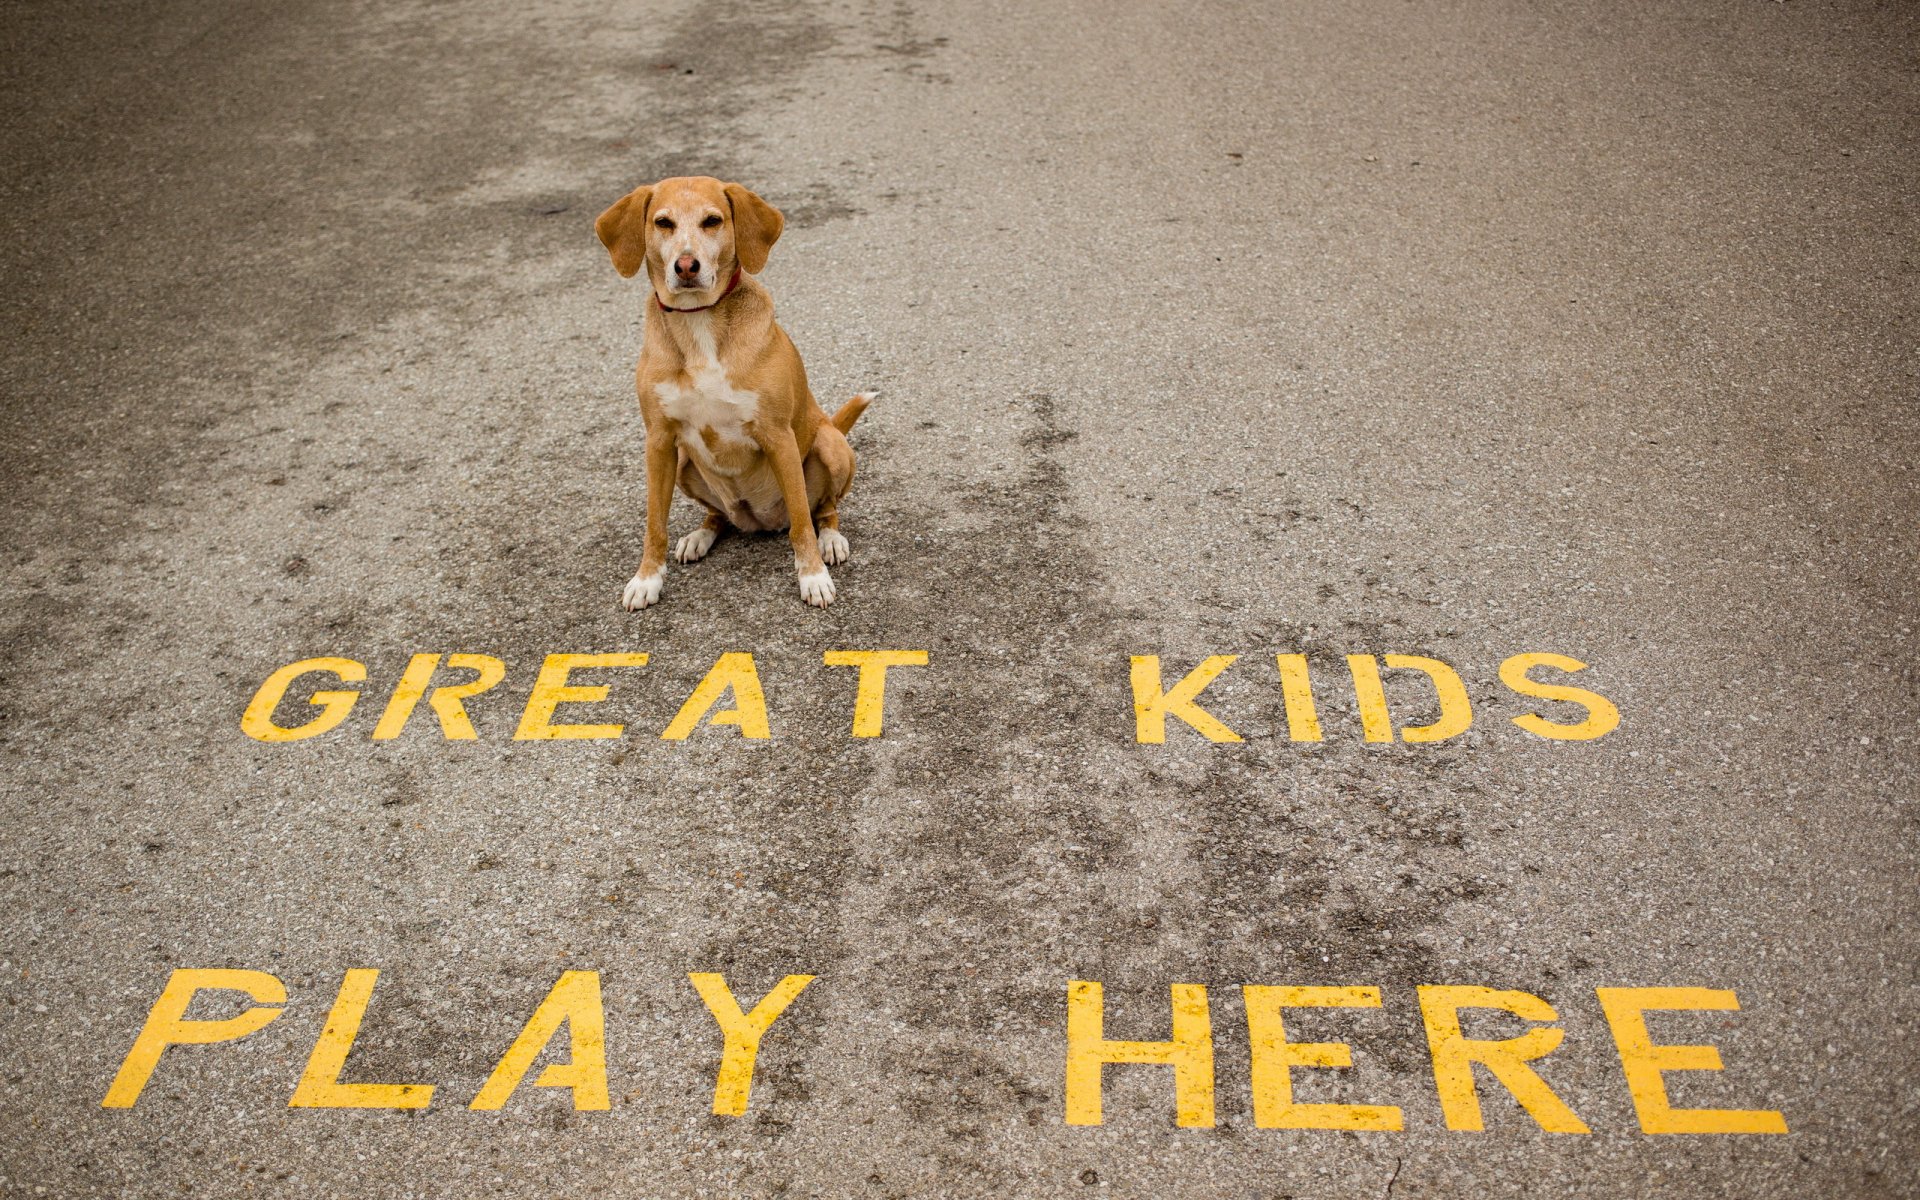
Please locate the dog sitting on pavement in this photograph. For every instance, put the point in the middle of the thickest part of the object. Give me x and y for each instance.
(722, 389)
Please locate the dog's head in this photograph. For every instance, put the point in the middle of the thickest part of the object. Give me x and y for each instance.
(690, 234)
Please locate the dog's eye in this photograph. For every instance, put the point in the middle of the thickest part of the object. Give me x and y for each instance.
(663, 223)
(712, 222)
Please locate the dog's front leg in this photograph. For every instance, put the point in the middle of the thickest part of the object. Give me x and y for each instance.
(663, 461)
(816, 586)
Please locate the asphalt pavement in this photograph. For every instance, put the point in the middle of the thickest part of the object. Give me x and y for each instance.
(1309, 335)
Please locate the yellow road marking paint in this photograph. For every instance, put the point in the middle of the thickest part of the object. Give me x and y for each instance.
(1273, 1056)
(320, 1085)
(447, 700)
(1189, 1052)
(731, 672)
(733, 1085)
(166, 1023)
(257, 721)
(1456, 711)
(870, 693)
(1454, 1055)
(1152, 707)
(1296, 687)
(1646, 1064)
(1375, 723)
(574, 1001)
(736, 673)
(551, 689)
(1602, 717)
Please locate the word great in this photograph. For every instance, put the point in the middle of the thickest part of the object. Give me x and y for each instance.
(1273, 1059)
(734, 672)
(573, 1002)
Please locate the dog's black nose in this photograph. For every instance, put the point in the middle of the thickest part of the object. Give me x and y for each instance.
(686, 266)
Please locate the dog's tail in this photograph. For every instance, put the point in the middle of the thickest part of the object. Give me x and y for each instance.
(851, 410)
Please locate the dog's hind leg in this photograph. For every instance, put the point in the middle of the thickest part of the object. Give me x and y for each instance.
(829, 469)
(694, 546)
(834, 548)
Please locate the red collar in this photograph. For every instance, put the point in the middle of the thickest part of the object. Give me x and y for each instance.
(731, 284)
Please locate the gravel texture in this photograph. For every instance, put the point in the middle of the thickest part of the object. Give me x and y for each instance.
(1461, 330)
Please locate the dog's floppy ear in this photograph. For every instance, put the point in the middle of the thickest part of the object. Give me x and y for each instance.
(623, 230)
(756, 227)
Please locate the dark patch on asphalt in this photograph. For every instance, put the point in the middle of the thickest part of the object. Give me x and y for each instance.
(221, 278)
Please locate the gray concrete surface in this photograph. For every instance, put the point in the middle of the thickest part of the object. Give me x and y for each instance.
(1461, 330)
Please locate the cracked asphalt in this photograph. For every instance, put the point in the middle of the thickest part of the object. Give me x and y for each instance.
(1461, 331)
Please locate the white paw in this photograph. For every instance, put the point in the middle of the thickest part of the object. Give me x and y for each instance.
(643, 590)
(817, 589)
(694, 546)
(833, 547)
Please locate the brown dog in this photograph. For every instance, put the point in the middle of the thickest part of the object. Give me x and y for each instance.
(725, 399)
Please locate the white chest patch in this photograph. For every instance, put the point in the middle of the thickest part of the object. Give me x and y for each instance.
(703, 399)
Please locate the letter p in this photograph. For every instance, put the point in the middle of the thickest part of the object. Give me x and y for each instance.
(167, 1024)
